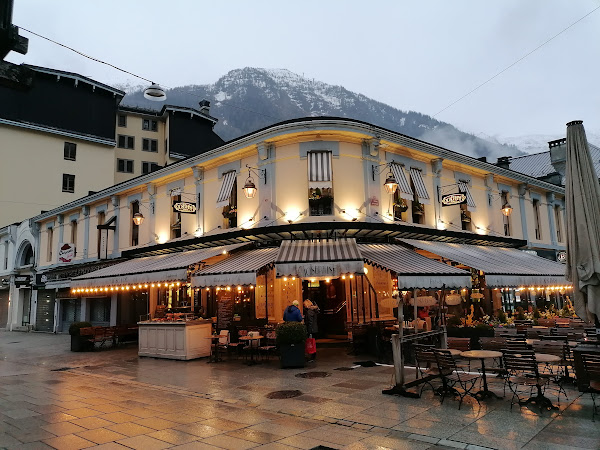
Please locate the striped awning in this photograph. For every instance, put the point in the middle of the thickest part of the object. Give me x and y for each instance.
(326, 258)
(226, 188)
(151, 269)
(403, 184)
(417, 178)
(503, 267)
(238, 269)
(319, 166)
(464, 188)
(414, 271)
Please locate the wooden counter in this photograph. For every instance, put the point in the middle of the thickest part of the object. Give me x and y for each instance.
(175, 340)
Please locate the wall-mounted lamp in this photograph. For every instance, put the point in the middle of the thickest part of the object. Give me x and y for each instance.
(138, 218)
(391, 184)
(250, 188)
(507, 209)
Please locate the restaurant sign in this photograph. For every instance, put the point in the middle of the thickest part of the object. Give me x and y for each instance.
(561, 257)
(22, 280)
(319, 269)
(454, 199)
(66, 253)
(184, 207)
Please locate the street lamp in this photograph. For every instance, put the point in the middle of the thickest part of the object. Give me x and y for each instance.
(390, 184)
(249, 188)
(138, 218)
(155, 93)
(507, 209)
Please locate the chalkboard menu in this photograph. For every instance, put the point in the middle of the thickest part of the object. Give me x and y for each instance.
(224, 310)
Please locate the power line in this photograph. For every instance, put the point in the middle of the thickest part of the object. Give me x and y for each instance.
(139, 76)
(516, 62)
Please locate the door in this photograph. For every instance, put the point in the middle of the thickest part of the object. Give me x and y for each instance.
(330, 297)
(100, 311)
(3, 308)
(45, 311)
(70, 312)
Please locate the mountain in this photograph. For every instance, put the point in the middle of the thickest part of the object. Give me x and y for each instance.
(245, 100)
(537, 143)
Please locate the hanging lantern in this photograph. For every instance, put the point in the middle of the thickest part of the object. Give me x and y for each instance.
(390, 184)
(138, 218)
(507, 209)
(249, 188)
(155, 93)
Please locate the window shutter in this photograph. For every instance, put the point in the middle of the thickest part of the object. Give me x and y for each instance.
(226, 187)
(463, 187)
(403, 185)
(417, 178)
(130, 142)
(319, 166)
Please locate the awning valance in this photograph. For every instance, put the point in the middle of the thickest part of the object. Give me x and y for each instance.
(503, 267)
(238, 269)
(414, 270)
(169, 267)
(326, 258)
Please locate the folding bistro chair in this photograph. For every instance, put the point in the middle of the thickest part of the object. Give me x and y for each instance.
(452, 377)
(426, 366)
(591, 366)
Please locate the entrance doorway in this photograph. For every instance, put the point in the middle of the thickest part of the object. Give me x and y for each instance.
(330, 297)
(70, 312)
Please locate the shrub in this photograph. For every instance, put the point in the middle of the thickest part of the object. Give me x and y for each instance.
(454, 321)
(76, 326)
(290, 333)
(536, 313)
(502, 316)
(520, 314)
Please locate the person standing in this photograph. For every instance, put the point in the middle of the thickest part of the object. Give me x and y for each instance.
(292, 313)
(310, 317)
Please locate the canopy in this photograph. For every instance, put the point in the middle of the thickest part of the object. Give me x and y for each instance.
(169, 267)
(238, 269)
(414, 270)
(582, 198)
(503, 267)
(324, 258)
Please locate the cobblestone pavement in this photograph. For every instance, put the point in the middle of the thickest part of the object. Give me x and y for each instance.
(52, 398)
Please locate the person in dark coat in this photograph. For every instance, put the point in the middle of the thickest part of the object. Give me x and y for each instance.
(292, 313)
(310, 317)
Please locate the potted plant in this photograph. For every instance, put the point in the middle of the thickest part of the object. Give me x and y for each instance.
(80, 343)
(418, 208)
(290, 338)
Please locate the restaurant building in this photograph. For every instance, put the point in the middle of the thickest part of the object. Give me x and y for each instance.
(337, 210)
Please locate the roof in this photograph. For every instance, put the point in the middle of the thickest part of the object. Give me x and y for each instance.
(242, 262)
(162, 111)
(522, 267)
(76, 76)
(539, 164)
(319, 251)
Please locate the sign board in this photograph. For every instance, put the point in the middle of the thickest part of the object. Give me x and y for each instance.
(103, 244)
(22, 280)
(66, 253)
(224, 310)
(184, 207)
(454, 199)
(561, 257)
(374, 201)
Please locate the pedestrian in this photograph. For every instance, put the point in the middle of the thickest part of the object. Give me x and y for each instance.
(310, 317)
(292, 313)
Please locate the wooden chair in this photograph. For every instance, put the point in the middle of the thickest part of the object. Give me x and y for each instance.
(546, 323)
(591, 365)
(269, 347)
(561, 322)
(523, 372)
(452, 377)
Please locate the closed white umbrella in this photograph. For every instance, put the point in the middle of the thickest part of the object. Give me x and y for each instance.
(582, 198)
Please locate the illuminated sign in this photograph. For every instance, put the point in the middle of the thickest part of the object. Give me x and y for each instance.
(454, 199)
(184, 207)
(561, 257)
(66, 253)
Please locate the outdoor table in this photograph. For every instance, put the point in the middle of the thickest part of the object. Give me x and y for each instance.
(215, 348)
(482, 355)
(532, 341)
(453, 351)
(540, 327)
(250, 339)
(546, 358)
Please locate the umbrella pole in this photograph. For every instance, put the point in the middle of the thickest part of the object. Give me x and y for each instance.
(416, 324)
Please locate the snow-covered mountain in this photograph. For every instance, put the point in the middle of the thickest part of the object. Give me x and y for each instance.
(537, 143)
(245, 100)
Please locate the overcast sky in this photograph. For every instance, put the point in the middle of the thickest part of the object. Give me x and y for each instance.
(419, 55)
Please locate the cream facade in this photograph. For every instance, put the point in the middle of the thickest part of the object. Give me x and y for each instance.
(294, 167)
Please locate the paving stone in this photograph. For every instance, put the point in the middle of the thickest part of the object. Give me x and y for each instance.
(62, 428)
(144, 443)
(129, 429)
(68, 442)
(100, 435)
(172, 436)
(229, 442)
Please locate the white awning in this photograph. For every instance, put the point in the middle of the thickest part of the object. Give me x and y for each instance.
(503, 267)
(413, 270)
(319, 166)
(464, 188)
(326, 258)
(151, 269)
(238, 269)
(417, 178)
(403, 184)
(226, 187)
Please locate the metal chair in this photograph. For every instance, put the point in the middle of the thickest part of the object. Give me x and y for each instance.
(452, 377)
(269, 347)
(591, 365)
(426, 365)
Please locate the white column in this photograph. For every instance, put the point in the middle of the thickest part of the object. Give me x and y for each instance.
(113, 310)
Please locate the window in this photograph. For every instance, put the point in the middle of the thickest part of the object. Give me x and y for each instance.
(175, 219)
(5, 260)
(49, 236)
(151, 125)
(230, 210)
(74, 234)
(465, 217)
(135, 229)
(418, 208)
(125, 141)
(125, 165)
(70, 151)
(150, 145)
(101, 219)
(320, 185)
(536, 219)
(557, 219)
(149, 166)
(400, 206)
(122, 120)
(68, 183)
(505, 218)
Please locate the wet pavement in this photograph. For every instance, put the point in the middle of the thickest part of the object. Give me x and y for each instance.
(53, 398)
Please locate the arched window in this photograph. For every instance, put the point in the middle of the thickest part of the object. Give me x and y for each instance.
(25, 255)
